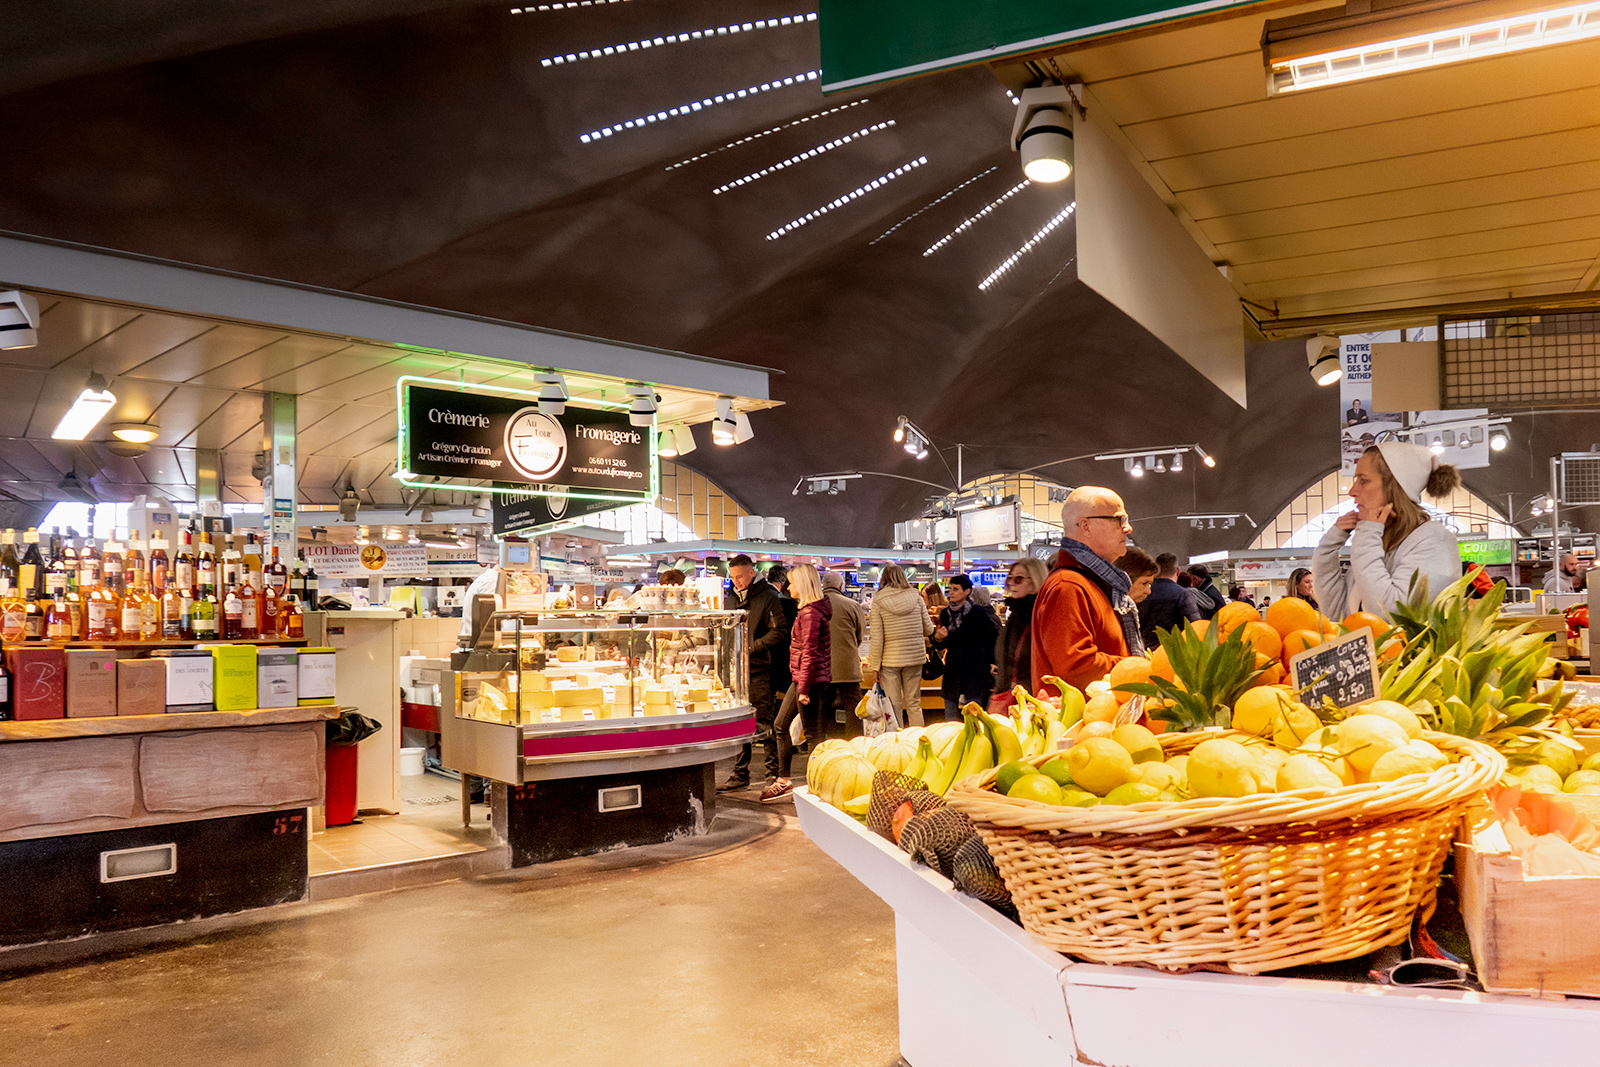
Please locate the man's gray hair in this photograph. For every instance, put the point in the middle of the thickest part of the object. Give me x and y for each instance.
(1084, 501)
(833, 580)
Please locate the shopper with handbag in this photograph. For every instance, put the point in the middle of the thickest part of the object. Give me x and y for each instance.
(966, 632)
(846, 631)
(810, 668)
(898, 630)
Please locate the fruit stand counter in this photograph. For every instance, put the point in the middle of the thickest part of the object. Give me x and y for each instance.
(975, 988)
(138, 820)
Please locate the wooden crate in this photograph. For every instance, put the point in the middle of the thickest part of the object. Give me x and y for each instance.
(1529, 935)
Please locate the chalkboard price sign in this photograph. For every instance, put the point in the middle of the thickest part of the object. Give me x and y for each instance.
(1345, 671)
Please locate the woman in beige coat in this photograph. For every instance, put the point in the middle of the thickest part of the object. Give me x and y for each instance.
(898, 647)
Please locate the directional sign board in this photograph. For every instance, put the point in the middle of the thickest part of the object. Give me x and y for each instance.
(1345, 671)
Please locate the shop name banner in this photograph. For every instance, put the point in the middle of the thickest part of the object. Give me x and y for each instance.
(986, 527)
(1493, 551)
(368, 561)
(453, 562)
(1265, 570)
(477, 437)
(520, 512)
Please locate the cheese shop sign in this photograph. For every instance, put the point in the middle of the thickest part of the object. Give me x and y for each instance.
(505, 444)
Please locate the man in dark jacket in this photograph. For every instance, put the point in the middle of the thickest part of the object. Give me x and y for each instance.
(1210, 600)
(766, 643)
(967, 631)
(847, 629)
(1169, 603)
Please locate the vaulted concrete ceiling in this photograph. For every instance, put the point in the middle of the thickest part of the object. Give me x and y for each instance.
(424, 151)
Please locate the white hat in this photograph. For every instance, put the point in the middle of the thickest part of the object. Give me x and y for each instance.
(1410, 465)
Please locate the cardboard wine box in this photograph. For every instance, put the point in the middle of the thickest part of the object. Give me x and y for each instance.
(277, 678)
(190, 679)
(141, 687)
(316, 675)
(91, 683)
(38, 682)
(235, 685)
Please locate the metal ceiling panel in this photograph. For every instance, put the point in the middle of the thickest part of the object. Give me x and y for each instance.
(327, 371)
(134, 343)
(229, 424)
(214, 348)
(280, 357)
(333, 435)
(68, 327)
(187, 409)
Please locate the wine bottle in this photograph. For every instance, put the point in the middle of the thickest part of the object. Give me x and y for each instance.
(158, 566)
(10, 565)
(313, 590)
(183, 566)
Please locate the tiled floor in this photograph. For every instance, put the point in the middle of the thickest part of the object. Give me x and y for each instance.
(429, 825)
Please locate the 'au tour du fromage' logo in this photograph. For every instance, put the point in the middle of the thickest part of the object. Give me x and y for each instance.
(536, 444)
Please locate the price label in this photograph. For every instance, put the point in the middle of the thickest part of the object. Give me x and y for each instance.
(1345, 671)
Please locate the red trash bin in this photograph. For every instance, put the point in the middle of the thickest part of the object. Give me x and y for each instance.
(339, 809)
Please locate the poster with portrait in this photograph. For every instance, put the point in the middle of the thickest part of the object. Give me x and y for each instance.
(1359, 425)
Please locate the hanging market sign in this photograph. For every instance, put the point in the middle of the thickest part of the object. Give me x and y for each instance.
(1491, 552)
(525, 513)
(368, 561)
(501, 442)
(869, 41)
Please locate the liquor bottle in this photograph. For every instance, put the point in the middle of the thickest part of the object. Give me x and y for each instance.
(75, 605)
(58, 616)
(88, 566)
(174, 613)
(232, 613)
(204, 614)
(13, 616)
(158, 566)
(313, 591)
(249, 611)
(10, 565)
(133, 562)
(111, 565)
(206, 563)
(31, 577)
(291, 620)
(183, 566)
(251, 567)
(96, 605)
(132, 614)
(6, 712)
(277, 575)
(297, 584)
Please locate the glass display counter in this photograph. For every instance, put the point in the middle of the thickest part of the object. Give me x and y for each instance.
(565, 694)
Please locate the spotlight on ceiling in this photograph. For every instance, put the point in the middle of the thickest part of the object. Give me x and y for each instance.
(1498, 440)
(1176, 467)
(553, 393)
(19, 320)
(349, 504)
(1437, 448)
(1133, 466)
(138, 432)
(86, 412)
(683, 439)
(724, 428)
(1042, 133)
(642, 411)
(741, 428)
(900, 429)
(1205, 457)
(666, 446)
(1322, 357)
(427, 516)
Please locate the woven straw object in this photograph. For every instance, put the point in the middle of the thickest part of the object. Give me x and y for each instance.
(1257, 883)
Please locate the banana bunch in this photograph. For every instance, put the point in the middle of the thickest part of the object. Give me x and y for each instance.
(1033, 728)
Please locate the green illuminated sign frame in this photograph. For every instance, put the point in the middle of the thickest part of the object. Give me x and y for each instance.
(403, 442)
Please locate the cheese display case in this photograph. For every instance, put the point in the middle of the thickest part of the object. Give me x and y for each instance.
(564, 694)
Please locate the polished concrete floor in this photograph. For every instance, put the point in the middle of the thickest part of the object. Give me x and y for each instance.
(750, 947)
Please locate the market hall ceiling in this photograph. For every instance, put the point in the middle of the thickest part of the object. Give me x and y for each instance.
(427, 152)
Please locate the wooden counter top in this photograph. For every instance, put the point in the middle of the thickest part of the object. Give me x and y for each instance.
(110, 726)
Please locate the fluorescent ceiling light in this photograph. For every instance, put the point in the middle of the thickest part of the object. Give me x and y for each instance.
(1343, 50)
(86, 411)
(138, 432)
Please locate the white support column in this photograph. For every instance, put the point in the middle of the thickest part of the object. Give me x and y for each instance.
(279, 490)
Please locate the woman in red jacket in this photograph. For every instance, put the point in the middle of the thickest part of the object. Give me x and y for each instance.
(810, 664)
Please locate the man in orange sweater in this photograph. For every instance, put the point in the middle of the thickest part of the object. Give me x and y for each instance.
(1084, 621)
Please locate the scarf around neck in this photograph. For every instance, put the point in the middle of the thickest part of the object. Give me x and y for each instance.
(1117, 586)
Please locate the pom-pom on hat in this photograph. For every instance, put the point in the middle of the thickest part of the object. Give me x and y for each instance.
(1410, 464)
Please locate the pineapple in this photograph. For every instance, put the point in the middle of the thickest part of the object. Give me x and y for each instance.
(1210, 676)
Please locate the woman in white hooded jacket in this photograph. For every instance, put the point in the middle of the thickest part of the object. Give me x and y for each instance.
(1391, 537)
(898, 642)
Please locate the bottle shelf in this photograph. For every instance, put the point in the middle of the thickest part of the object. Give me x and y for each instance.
(135, 645)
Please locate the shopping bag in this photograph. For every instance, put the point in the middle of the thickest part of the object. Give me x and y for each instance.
(797, 729)
(879, 706)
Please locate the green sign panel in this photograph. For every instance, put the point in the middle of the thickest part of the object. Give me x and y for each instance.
(869, 41)
(1493, 552)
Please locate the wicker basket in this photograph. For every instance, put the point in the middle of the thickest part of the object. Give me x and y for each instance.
(1257, 883)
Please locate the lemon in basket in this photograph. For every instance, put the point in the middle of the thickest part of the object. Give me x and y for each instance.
(1161, 775)
(1413, 757)
(1099, 765)
(1295, 723)
(1035, 787)
(1133, 793)
(1222, 768)
(1365, 738)
(1401, 715)
(1139, 741)
(1304, 771)
(1582, 781)
(1256, 710)
(1592, 763)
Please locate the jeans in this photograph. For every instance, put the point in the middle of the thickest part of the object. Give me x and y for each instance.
(780, 728)
(761, 699)
(904, 687)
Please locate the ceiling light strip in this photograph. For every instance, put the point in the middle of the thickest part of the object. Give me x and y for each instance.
(766, 133)
(951, 236)
(854, 194)
(678, 38)
(699, 105)
(826, 146)
(1029, 245)
(1515, 33)
(936, 203)
(531, 8)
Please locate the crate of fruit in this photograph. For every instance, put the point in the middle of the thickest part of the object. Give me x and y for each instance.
(1257, 882)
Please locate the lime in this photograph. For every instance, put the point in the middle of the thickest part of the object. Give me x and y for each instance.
(1078, 798)
(1008, 774)
(1035, 787)
(1133, 793)
(1058, 772)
